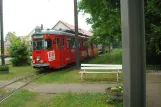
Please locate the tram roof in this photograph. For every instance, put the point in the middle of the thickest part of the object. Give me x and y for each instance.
(57, 32)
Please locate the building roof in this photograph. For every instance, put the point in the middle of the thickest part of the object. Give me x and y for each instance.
(22, 37)
(71, 27)
(6, 43)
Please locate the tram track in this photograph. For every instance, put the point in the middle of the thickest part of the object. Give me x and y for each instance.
(30, 78)
(19, 79)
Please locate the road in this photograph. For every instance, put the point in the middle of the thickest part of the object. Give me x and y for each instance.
(8, 58)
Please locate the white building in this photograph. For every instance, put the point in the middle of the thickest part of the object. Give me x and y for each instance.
(66, 26)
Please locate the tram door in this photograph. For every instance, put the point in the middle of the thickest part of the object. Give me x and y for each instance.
(56, 45)
(59, 50)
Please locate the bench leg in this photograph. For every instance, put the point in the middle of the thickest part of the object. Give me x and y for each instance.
(81, 76)
(117, 77)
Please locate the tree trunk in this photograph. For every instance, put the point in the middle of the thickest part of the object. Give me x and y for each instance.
(109, 47)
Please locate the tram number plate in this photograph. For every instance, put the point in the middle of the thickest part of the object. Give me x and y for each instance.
(51, 55)
(37, 66)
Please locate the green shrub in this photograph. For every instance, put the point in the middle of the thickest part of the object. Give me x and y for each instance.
(4, 68)
(19, 51)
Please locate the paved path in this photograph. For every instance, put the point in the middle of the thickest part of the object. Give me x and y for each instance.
(61, 88)
(153, 90)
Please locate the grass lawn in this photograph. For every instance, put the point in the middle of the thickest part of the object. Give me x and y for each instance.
(17, 72)
(18, 99)
(78, 100)
(29, 99)
(70, 75)
(115, 57)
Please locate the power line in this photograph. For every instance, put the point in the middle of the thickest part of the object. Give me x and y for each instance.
(49, 1)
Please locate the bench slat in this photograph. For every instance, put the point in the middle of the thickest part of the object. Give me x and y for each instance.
(99, 72)
(101, 65)
(101, 68)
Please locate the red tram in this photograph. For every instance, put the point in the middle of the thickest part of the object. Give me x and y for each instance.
(56, 49)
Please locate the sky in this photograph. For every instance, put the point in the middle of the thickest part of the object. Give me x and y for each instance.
(22, 16)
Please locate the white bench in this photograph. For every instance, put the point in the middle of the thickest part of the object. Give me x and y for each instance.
(112, 69)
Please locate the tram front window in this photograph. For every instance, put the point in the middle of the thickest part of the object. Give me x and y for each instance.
(44, 44)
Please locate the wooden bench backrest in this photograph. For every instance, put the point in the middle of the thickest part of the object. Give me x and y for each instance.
(100, 66)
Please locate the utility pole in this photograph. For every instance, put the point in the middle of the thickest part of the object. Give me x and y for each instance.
(76, 35)
(1, 32)
(133, 45)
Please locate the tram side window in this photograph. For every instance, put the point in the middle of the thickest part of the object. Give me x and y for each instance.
(73, 43)
(80, 43)
(70, 43)
(88, 44)
(94, 45)
(85, 43)
(57, 43)
(48, 44)
(62, 43)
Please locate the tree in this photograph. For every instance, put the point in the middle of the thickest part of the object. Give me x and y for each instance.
(19, 51)
(9, 34)
(105, 19)
(153, 30)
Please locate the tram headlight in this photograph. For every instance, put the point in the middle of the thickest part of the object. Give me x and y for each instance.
(37, 58)
(33, 61)
(41, 61)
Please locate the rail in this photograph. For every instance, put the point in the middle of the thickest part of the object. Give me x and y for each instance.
(33, 76)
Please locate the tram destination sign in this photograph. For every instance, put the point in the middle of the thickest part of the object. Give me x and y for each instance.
(38, 36)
